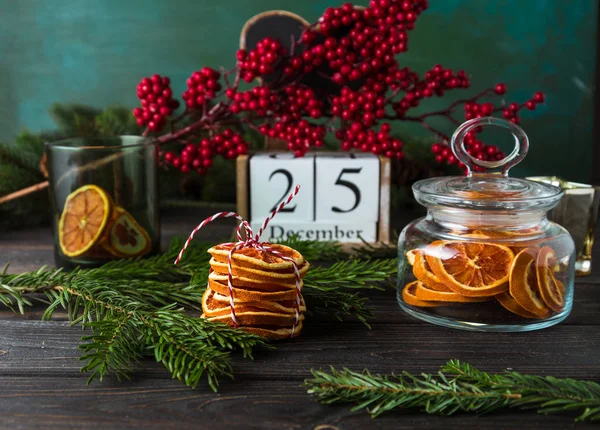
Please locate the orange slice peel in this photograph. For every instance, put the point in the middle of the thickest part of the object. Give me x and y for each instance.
(524, 283)
(410, 298)
(510, 304)
(552, 294)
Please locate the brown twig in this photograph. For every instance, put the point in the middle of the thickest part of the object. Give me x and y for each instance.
(23, 192)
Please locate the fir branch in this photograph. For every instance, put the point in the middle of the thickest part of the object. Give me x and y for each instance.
(116, 121)
(22, 158)
(354, 274)
(112, 347)
(186, 356)
(189, 347)
(380, 394)
(74, 120)
(11, 297)
(314, 250)
(545, 393)
(338, 304)
(457, 387)
(136, 306)
(214, 333)
(33, 143)
(377, 251)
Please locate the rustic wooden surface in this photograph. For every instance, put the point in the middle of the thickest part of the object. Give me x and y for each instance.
(41, 385)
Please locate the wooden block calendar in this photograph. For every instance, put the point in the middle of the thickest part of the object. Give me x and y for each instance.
(343, 197)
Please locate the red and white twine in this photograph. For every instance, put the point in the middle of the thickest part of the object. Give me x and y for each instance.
(250, 241)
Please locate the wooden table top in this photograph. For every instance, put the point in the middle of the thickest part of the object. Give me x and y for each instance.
(41, 385)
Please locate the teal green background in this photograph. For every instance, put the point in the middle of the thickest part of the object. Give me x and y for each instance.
(95, 52)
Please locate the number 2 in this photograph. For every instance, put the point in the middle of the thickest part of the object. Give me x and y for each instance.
(352, 188)
(290, 181)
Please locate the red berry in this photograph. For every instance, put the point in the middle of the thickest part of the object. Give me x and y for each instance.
(487, 109)
(539, 97)
(530, 104)
(500, 89)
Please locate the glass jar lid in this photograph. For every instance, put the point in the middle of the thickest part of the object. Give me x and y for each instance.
(487, 191)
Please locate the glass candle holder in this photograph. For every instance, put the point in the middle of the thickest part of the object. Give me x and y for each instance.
(104, 196)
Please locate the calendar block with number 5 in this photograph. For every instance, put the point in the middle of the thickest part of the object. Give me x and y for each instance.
(343, 196)
(347, 187)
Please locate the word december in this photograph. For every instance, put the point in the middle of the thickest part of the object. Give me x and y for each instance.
(278, 232)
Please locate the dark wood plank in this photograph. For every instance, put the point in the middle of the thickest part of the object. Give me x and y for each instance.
(35, 348)
(61, 403)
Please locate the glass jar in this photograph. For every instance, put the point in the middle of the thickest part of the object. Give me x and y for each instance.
(104, 196)
(486, 257)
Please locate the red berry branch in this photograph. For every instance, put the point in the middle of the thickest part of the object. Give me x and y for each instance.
(353, 50)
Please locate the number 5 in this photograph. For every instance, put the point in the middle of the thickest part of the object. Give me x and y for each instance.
(352, 188)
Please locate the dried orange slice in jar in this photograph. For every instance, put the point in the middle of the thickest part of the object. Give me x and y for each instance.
(423, 292)
(410, 298)
(552, 293)
(472, 269)
(126, 238)
(83, 220)
(423, 273)
(509, 303)
(524, 283)
(411, 255)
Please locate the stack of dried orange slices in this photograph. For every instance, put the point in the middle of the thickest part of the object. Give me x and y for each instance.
(92, 226)
(264, 290)
(520, 277)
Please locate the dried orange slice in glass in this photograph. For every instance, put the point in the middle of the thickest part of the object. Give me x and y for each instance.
(471, 269)
(126, 238)
(423, 292)
(409, 297)
(549, 289)
(524, 283)
(83, 219)
(509, 303)
(423, 273)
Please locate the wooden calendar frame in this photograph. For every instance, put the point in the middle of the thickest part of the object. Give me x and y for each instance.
(383, 219)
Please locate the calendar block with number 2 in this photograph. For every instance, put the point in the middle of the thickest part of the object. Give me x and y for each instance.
(343, 196)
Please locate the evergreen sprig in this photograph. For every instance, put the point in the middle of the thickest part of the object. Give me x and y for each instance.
(457, 387)
(124, 326)
(338, 304)
(137, 307)
(352, 274)
(315, 250)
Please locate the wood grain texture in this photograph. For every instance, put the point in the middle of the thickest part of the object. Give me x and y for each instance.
(42, 386)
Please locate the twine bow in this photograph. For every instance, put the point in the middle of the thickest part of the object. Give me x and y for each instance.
(251, 241)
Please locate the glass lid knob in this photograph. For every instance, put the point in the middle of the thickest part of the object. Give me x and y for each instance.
(518, 153)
